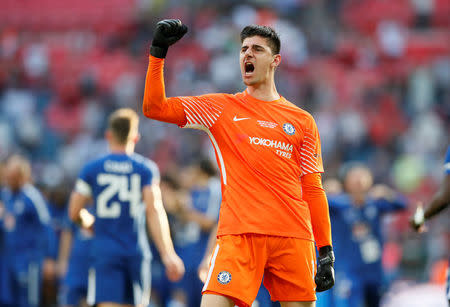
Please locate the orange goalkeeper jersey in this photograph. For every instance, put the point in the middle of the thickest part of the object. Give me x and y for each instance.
(262, 149)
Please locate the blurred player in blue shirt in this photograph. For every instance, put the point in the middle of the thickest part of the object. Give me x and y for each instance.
(440, 201)
(74, 263)
(358, 242)
(27, 229)
(196, 222)
(119, 183)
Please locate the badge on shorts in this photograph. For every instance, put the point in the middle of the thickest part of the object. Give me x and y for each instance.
(289, 128)
(224, 277)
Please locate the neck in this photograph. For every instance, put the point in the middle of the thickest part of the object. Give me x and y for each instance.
(266, 91)
(118, 148)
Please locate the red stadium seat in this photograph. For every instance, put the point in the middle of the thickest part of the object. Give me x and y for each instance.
(365, 15)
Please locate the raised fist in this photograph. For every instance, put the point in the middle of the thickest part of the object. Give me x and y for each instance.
(167, 33)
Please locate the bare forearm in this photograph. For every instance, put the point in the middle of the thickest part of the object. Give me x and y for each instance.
(76, 205)
(158, 226)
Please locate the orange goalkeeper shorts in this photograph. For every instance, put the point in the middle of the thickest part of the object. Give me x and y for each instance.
(239, 263)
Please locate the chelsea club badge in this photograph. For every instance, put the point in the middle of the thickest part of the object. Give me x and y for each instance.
(224, 277)
(289, 128)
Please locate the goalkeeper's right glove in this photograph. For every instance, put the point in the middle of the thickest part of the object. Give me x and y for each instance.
(325, 273)
(167, 33)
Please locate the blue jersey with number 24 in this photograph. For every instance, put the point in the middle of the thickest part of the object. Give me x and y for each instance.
(115, 183)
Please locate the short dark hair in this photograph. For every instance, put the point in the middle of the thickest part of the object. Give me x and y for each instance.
(263, 31)
(121, 123)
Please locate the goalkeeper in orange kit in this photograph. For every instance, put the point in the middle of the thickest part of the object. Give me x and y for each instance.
(274, 209)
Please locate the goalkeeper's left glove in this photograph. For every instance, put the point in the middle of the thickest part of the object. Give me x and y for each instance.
(325, 273)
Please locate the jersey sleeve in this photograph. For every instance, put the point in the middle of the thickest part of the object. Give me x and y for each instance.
(310, 151)
(188, 111)
(151, 174)
(314, 195)
(155, 104)
(85, 182)
(202, 111)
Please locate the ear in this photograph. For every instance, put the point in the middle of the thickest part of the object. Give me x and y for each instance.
(276, 60)
(108, 135)
(137, 138)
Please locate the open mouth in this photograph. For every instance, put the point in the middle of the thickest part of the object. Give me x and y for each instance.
(249, 68)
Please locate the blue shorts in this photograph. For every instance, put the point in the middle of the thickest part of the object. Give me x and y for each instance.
(21, 282)
(75, 283)
(121, 280)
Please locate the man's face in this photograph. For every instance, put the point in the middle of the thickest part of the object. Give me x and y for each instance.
(256, 60)
(13, 176)
(358, 180)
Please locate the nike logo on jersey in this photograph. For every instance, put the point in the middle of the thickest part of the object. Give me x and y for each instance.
(239, 119)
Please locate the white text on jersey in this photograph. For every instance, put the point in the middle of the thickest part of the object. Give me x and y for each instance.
(118, 167)
(271, 143)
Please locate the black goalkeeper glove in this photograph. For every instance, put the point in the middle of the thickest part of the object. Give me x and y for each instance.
(167, 33)
(325, 273)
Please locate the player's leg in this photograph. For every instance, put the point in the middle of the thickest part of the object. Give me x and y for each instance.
(216, 300)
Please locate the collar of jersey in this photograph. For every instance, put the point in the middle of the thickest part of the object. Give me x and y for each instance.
(251, 98)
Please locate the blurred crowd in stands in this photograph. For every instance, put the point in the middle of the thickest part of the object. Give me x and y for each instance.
(375, 74)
